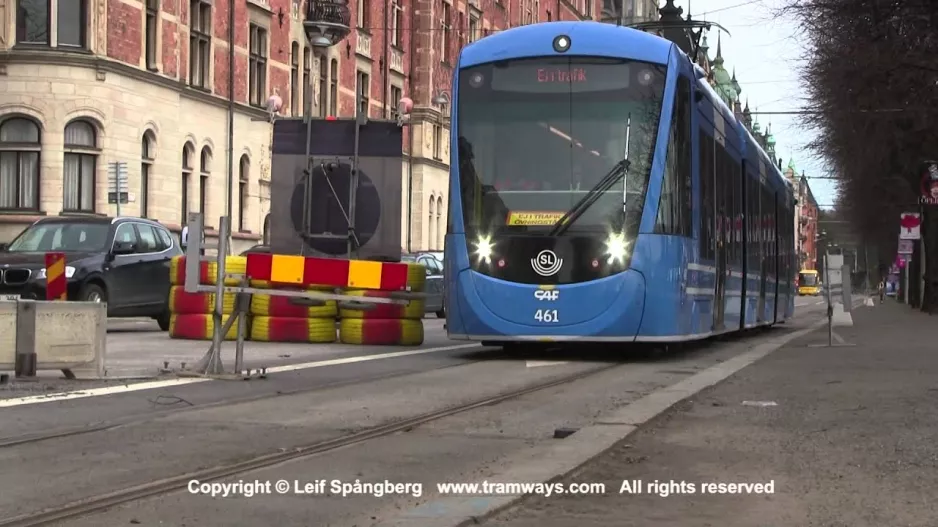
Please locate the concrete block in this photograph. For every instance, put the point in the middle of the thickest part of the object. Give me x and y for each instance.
(841, 317)
(68, 336)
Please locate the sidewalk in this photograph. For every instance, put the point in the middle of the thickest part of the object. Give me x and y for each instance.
(850, 441)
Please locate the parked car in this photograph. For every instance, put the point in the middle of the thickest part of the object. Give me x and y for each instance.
(122, 261)
(434, 288)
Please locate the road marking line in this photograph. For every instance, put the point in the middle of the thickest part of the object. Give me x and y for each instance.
(125, 388)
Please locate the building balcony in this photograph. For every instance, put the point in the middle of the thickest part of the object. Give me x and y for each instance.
(327, 22)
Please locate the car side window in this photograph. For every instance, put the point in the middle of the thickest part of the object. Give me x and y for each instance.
(148, 240)
(125, 234)
(165, 237)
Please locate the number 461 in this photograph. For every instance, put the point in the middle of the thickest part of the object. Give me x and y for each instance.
(546, 315)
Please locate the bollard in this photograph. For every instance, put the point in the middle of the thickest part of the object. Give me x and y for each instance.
(56, 281)
(25, 360)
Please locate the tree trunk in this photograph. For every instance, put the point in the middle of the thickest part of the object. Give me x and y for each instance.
(930, 248)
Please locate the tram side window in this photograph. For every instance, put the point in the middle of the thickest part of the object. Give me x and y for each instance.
(723, 201)
(674, 206)
(739, 243)
(706, 195)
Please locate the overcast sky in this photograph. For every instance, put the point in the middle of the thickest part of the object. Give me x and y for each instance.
(767, 55)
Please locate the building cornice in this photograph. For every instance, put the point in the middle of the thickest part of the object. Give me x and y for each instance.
(103, 66)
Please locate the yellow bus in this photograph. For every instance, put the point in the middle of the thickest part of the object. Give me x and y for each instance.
(809, 283)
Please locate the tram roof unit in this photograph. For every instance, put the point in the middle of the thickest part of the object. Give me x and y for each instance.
(587, 38)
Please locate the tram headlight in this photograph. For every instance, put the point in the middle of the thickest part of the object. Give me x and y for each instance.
(616, 248)
(483, 249)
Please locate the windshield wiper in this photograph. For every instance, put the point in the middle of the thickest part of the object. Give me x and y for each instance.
(619, 171)
(581, 206)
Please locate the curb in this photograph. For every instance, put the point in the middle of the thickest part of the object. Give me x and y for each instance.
(554, 461)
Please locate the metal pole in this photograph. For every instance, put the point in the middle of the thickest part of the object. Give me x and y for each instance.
(308, 182)
(353, 182)
(226, 233)
(242, 303)
(218, 335)
(830, 305)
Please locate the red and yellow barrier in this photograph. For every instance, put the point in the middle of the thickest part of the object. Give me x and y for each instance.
(56, 282)
(208, 271)
(183, 303)
(413, 310)
(293, 329)
(281, 306)
(197, 327)
(304, 271)
(381, 332)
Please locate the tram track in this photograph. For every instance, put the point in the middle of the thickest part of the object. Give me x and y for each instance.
(101, 502)
(131, 420)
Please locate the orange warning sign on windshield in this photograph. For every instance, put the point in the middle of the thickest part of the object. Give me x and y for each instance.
(533, 218)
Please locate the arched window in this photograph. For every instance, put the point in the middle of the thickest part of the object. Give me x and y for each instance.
(20, 146)
(147, 156)
(205, 169)
(440, 226)
(265, 237)
(81, 163)
(431, 225)
(188, 152)
(244, 172)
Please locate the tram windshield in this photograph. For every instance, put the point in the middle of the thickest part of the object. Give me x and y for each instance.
(535, 135)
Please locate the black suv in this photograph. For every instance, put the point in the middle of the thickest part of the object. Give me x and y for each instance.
(121, 261)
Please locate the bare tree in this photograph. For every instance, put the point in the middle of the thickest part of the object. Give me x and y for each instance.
(872, 80)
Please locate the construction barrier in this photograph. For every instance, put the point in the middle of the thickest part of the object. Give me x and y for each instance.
(184, 303)
(208, 271)
(197, 326)
(414, 310)
(381, 331)
(293, 329)
(56, 281)
(71, 337)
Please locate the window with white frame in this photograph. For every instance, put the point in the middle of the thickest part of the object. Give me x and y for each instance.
(334, 88)
(257, 66)
(295, 79)
(445, 31)
(396, 95)
(205, 170)
(440, 228)
(20, 147)
(323, 87)
(431, 224)
(243, 188)
(35, 24)
(200, 43)
(147, 157)
(188, 152)
(437, 142)
(364, 14)
(81, 160)
(473, 27)
(397, 23)
(363, 82)
(152, 31)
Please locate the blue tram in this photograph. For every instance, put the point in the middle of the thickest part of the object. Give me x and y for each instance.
(601, 191)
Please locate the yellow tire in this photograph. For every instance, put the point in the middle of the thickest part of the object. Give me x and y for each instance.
(183, 303)
(414, 309)
(293, 329)
(416, 277)
(381, 332)
(282, 306)
(208, 271)
(198, 327)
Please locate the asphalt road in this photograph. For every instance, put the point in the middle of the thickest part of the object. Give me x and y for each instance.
(176, 429)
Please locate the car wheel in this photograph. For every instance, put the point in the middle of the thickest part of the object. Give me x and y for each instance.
(92, 293)
(163, 321)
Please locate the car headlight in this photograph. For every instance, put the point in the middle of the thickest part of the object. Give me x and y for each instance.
(69, 272)
(483, 250)
(617, 249)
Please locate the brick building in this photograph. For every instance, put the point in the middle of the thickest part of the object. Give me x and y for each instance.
(88, 82)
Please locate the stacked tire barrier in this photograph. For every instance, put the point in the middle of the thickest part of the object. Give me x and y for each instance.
(385, 324)
(282, 319)
(191, 313)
